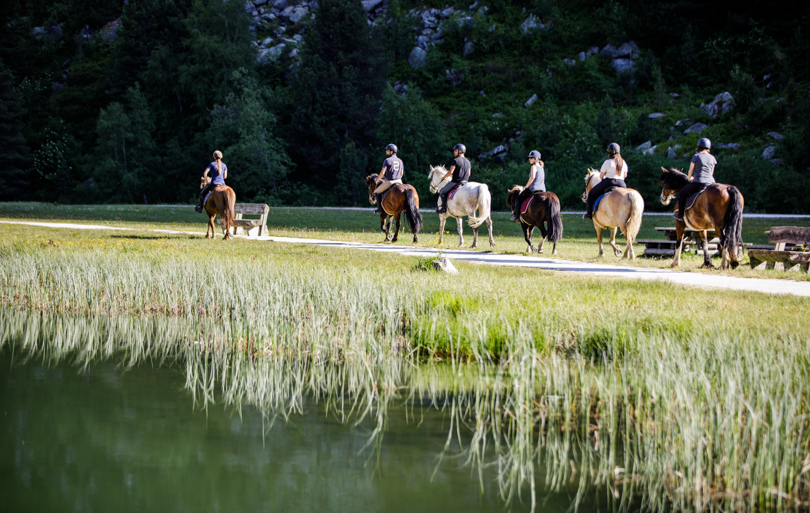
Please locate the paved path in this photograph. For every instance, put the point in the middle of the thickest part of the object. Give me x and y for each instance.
(796, 288)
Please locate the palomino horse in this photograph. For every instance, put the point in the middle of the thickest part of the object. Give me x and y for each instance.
(221, 201)
(468, 199)
(620, 208)
(544, 208)
(399, 198)
(719, 206)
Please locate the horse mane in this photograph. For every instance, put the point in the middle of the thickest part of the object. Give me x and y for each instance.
(371, 177)
(673, 179)
(437, 168)
(516, 188)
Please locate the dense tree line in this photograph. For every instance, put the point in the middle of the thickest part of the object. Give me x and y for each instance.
(125, 101)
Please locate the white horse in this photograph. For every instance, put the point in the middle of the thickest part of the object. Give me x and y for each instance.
(469, 198)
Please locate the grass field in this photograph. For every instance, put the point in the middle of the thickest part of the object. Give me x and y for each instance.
(578, 243)
(677, 397)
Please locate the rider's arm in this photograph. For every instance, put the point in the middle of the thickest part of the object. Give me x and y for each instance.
(449, 173)
(531, 178)
(205, 175)
(381, 175)
(692, 168)
(225, 174)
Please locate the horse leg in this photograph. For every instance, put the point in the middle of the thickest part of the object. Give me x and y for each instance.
(616, 251)
(383, 219)
(704, 243)
(211, 229)
(442, 220)
(679, 229)
(396, 232)
(544, 234)
(725, 261)
(527, 234)
(475, 239)
(460, 233)
(489, 227)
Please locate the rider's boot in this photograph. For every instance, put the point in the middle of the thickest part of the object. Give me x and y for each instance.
(379, 209)
(587, 215)
(199, 207)
(442, 208)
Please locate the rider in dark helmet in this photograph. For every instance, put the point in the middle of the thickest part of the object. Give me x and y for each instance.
(612, 174)
(702, 165)
(459, 170)
(390, 174)
(537, 182)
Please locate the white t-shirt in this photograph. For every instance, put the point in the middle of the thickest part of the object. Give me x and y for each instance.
(609, 168)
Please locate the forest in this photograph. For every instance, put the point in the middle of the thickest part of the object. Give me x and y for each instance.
(125, 101)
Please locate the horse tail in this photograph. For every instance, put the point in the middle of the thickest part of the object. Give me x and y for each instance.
(634, 218)
(731, 236)
(483, 207)
(555, 226)
(412, 210)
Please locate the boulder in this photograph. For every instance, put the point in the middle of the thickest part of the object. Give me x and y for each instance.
(400, 87)
(494, 152)
(570, 62)
(610, 52)
(644, 146)
(280, 4)
(623, 65)
(498, 115)
(370, 5)
(649, 151)
(422, 41)
(445, 265)
(628, 49)
(583, 56)
(682, 121)
(530, 101)
(671, 152)
(249, 7)
(109, 32)
(656, 115)
(469, 48)
(696, 128)
(493, 27)
(417, 57)
(768, 152)
(454, 77)
(723, 102)
(594, 50)
(466, 21)
(776, 135)
(298, 14)
(530, 24)
(270, 54)
(729, 146)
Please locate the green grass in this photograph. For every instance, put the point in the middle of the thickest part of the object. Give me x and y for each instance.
(578, 243)
(675, 397)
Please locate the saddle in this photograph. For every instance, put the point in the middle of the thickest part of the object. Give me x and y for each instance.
(525, 206)
(453, 192)
(692, 198)
(599, 200)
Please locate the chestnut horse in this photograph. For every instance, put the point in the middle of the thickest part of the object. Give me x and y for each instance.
(221, 201)
(719, 206)
(544, 208)
(399, 198)
(620, 208)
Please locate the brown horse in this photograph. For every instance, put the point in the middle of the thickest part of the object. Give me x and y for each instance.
(719, 206)
(221, 201)
(544, 208)
(399, 198)
(620, 208)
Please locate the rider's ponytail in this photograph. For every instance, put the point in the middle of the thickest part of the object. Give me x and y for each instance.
(617, 158)
(218, 158)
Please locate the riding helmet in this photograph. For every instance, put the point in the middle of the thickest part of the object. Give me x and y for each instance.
(460, 147)
(392, 147)
(613, 149)
(535, 154)
(704, 144)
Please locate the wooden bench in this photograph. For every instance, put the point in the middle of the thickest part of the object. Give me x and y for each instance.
(252, 227)
(666, 247)
(789, 250)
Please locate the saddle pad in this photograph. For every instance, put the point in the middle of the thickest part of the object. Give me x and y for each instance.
(208, 195)
(452, 193)
(690, 201)
(526, 204)
(598, 200)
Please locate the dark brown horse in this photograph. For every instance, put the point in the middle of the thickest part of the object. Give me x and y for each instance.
(398, 199)
(220, 202)
(543, 209)
(719, 206)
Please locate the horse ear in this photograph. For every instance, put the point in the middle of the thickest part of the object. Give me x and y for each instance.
(665, 170)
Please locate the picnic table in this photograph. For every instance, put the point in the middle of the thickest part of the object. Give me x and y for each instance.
(666, 247)
(790, 250)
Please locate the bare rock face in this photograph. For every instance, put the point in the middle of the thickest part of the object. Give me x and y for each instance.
(369, 5)
(445, 265)
(623, 65)
(417, 57)
(530, 101)
(768, 152)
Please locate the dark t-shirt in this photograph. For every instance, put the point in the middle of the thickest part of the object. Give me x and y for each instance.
(394, 168)
(704, 167)
(462, 171)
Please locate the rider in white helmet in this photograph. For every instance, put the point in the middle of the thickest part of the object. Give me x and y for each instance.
(390, 174)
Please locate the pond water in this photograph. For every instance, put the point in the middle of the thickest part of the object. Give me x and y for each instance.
(103, 438)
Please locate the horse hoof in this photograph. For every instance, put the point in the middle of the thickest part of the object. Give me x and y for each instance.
(734, 265)
(707, 265)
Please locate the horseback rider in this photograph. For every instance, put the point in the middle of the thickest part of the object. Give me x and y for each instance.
(460, 172)
(702, 165)
(536, 183)
(390, 175)
(219, 172)
(611, 174)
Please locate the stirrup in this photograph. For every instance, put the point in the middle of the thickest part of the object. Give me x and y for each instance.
(677, 217)
(587, 216)
(198, 209)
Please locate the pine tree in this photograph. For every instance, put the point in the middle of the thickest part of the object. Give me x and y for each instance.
(13, 148)
(337, 92)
